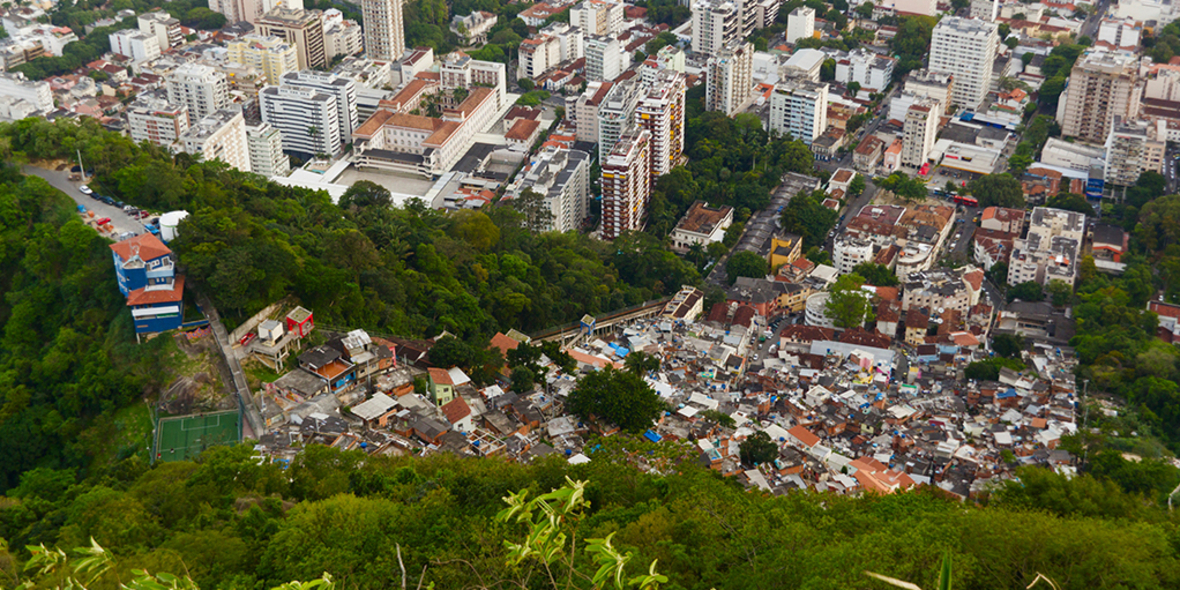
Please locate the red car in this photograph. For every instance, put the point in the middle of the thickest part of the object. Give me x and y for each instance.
(247, 339)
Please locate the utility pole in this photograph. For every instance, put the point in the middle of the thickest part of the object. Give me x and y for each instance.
(1085, 419)
(81, 166)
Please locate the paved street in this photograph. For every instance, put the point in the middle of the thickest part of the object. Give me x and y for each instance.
(61, 181)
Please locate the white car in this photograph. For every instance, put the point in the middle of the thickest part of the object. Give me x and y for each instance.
(85, 190)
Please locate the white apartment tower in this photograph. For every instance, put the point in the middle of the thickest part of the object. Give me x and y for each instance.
(626, 184)
(1102, 85)
(800, 24)
(966, 49)
(219, 136)
(308, 119)
(16, 86)
(799, 108)
(661, 111)
(563, 177)
(714, 23)
(604, 58)
(136, 44)
(729, 77)
(341, 87)
(598, 17)
(616, 114)
(1132, 149)
(266, 151)
(919, 131)
(165, 27)
(201, 88)
(385, 36)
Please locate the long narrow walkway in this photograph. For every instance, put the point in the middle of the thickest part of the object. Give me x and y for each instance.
(255, 425)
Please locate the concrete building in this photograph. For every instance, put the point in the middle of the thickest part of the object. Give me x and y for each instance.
(931, 84)
(153, 119)
(135, 44)
(16, 87)
(583, 109)
(850, 251)
(715, 23)
(729, 77)
(302, 28)
(1051, 249)
(308, 119)
(163, 26)
(1125, 34)
(965, 48)
(871, 70)
(249, 10)
(920, 131)
(265, 145)
(1075, 156)
(605, 57)
(986, 10)
(669, 57)
(458, 70)
(219, 136)
(342, 87)
(342, 37)
(701, 225)
(626, 184)
(800, 24)
(616, 114)
(1102, 85)
(799, 108)
(272, 56)
(562, 176)
(598, 17)
(385, 36)
(1132, 149)
(555, 44)
(661, 111)
(201, 88)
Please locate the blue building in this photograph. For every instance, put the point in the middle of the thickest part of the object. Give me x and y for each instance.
(146, 272)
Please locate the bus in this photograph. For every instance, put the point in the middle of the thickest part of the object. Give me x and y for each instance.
(966, 200)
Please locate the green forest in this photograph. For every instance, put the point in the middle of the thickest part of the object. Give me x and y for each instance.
(230, 523)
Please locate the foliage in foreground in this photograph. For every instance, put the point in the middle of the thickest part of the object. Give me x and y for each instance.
(229, 522)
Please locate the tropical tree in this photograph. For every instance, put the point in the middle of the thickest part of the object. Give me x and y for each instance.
(848, 305)
(745, 264)
(618, 397)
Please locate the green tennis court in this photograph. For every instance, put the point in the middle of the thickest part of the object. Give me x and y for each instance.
(181, 438)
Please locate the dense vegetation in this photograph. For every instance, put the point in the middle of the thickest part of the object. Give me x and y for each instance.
(68, 358)
(229, 522)
(410, 271)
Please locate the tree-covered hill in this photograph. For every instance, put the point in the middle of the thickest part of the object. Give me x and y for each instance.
(230, 523)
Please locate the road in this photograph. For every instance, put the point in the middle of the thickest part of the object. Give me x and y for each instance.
(756, 234)
(1170, 165)
(61, 181)
(1090, 27)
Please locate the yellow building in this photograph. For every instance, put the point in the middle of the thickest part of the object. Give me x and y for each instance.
(785, 249)
(272, 56)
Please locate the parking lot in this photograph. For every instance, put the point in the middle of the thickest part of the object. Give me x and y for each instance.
(120, 221)
(761, 226)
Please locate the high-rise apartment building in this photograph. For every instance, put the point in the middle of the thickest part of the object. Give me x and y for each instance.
(201, 88)
(562, 177)
(800, 24)
(1132, 148)
(617, 113)
(165, 27)
(605, 57)
(799, 109)
(937, 85)
(302, 28)
(661, 111)
(219, 136)
(919, 131)
(153, 119)
(966, 49)
(626, 184)
(136, 44)
(266, 151)
(385, 34)
(342, 87)
(250, 10)
(714, 23)
(272, 56)
(598, 17)
(986, 10)
(308, 119)
(1050, 250)
(583, 109)
(554, 44)
(38, 94)
(1102, 85)
(729, 77)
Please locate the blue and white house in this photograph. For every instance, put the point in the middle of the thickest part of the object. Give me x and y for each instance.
(146, 272)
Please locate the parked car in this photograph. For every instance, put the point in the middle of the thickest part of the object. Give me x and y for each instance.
(85, 190)
(145, 214)
(103, 221)
(247, 339)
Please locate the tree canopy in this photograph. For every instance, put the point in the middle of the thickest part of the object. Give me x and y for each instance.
(621, 398)
(848, 305)
(997, 190)
(745, 264)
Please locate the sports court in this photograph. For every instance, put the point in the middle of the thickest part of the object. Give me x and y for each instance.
(180, 438)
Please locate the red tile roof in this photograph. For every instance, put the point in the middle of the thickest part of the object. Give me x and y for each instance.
(149, 247)
(456, 410)
(145, 297)
(440, 376)
(804, 436)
